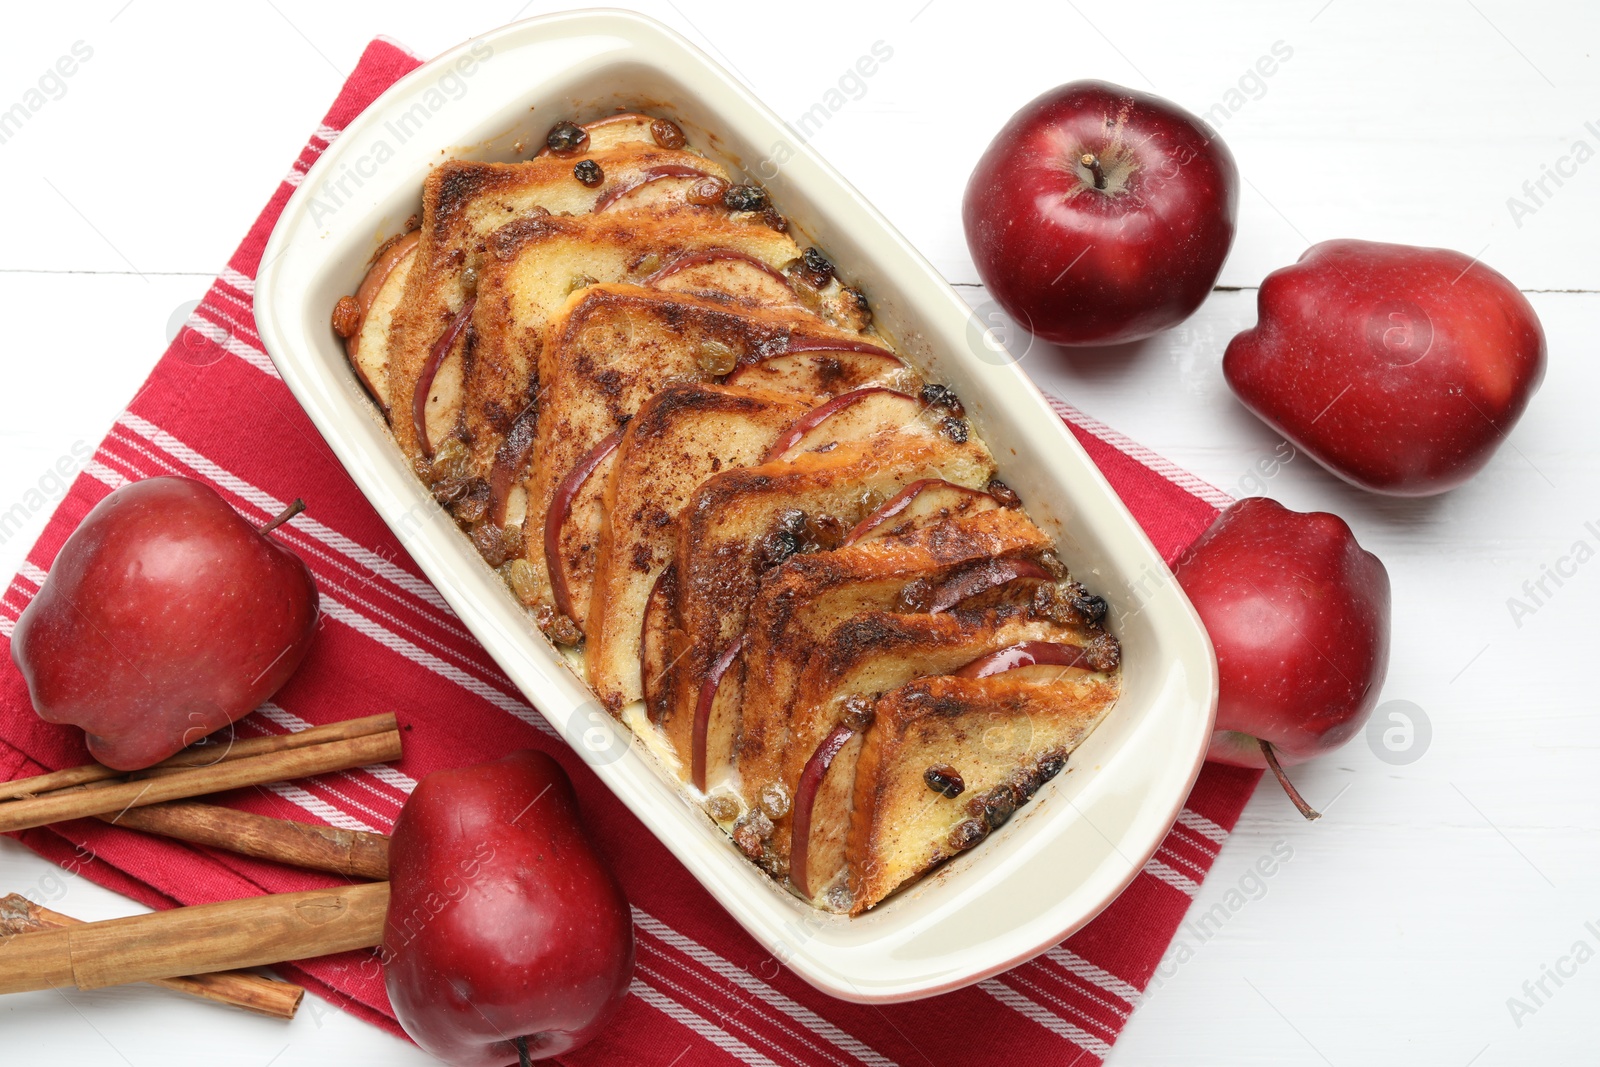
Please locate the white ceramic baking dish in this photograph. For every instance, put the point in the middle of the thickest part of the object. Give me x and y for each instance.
(1087, 834)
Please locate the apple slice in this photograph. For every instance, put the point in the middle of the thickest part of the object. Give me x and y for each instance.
(610, 132)
(560, 509)
(1026, 654)
(707, 256)
(703, 707)
(376, 298)
(656, 657)
(919, 504)
(430, 370)
(855, 415)
(823, 373)
(645, 177)
(814, 782)
(962, 586)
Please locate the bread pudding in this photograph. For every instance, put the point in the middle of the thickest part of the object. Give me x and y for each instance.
(774, 549)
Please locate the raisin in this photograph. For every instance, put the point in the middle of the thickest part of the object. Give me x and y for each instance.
(667, 134)
(486, 539)
(745, 198)
(471, 506)
(588, 172)
(773, 800)
(944, 780)
(722, 808)
(563, 631)
(715, 358)
(967, 834)
(993, 807)
(566, 137)
(1002, 492)
(1091, 607)
(1051, 765)
(346, 317)
(778, 547)
(955, 429)
(858, 713)
(707, 192)
(774, 220)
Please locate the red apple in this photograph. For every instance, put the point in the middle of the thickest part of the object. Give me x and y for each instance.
(1299, 615)
(1100, 215)
(506, 931)
(166, 616)
(1399, 369)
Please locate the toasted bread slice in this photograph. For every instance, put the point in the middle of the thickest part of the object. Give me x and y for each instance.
(536, 265)
(609, 350)
(680, 437)
(1002, 737)
(741, 523)
(802, 602)
(876, 652)
(462, 202)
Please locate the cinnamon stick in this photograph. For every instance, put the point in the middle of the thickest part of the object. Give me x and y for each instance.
(352, 853)
(209, 751)
(100, 798)
(241, 989)
(207, 937)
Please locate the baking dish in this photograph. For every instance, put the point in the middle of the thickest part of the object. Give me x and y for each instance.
(1088, 833)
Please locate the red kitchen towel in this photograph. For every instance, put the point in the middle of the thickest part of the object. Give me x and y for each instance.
(704, 992)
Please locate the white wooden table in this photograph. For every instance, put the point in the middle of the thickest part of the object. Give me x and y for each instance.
(1433, 890)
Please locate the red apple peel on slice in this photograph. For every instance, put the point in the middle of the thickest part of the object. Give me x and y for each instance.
(708, 256)
(1026, 654)
(561, 510)
(805, 797)
(703, 704)
(991, 575)
(430, 369)
(820, 414)
(652, 174)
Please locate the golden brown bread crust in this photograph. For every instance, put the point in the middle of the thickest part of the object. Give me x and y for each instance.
(1003, 736)
(680, 437)
(462, 202)
(876, 652)
(732, 532)
(608, 350)
(799, 606)
(536, 275)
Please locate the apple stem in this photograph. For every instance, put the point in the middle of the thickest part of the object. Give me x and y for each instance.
(1092, 161)
(1283, 779)
(285, 515)
(523, 1059)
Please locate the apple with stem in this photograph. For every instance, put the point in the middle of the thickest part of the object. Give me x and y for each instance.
(1299, 615)
(1100, 215)
(507, 936)
(166, 616)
